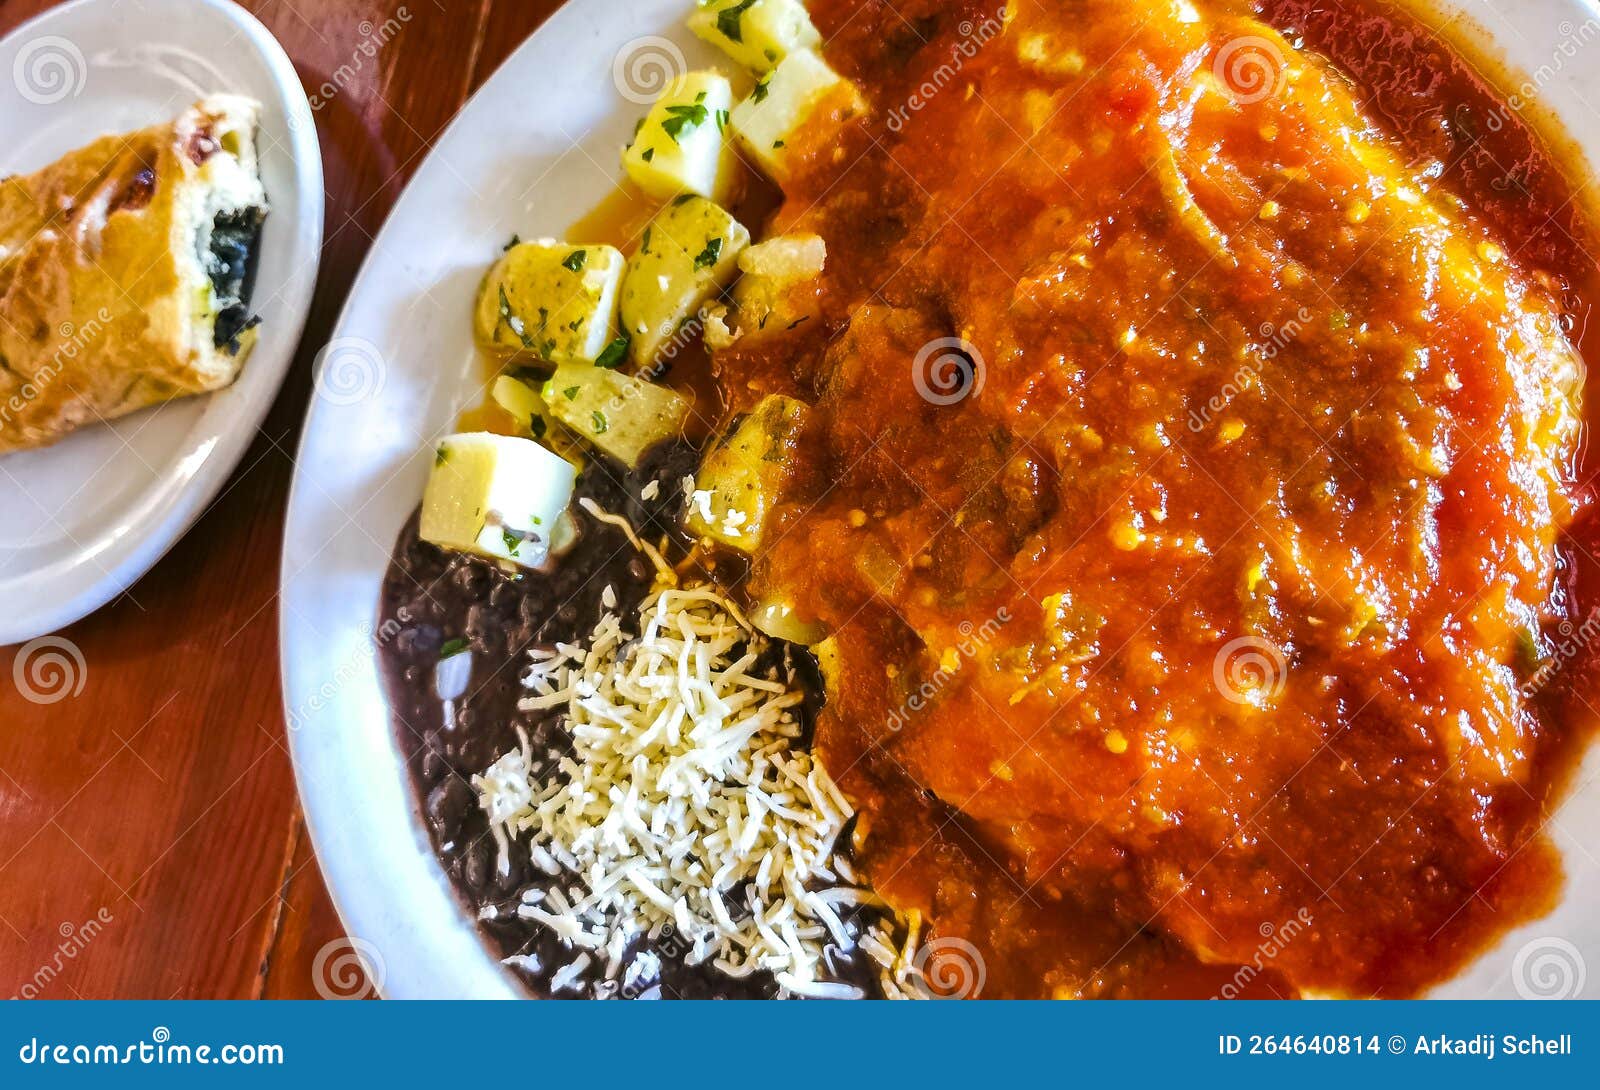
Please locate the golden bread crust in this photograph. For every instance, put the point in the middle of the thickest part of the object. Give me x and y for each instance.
(99, 305)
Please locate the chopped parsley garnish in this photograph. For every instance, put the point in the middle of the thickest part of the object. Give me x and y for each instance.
(647, 154)
(644, 243)
(722, 120)
(570, 392)
(515, 241)
(614, 354)
(760, 93)
(600, 424)
(537, 426)
(512, 322)
(681, 199)
(777, 143)
(708, 257)
(452, 648)
(441, 456)
(728, 20)
(684, 117)
(512, 539)
(574, 261)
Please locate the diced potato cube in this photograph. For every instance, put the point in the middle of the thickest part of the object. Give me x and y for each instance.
(777, 286)
(689, 253)
(523, 402)
(830, 664)
(800, 88)
(756, 33)
(621, 415)
(681, 146)
(550, 300)
(1041, 53)
(495, 495)
(782, 621)
(741, 480)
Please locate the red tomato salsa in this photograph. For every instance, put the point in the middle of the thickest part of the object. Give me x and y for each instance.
(1194, 490)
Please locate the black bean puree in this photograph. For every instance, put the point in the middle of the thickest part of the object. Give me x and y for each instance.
(432, 597)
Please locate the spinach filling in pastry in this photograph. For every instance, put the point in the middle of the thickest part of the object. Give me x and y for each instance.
(126, 271)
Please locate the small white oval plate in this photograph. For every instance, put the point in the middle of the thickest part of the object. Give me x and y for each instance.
(85, 518)
(533, 151)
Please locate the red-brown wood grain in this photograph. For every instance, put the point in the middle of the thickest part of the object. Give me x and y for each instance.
(151, 844)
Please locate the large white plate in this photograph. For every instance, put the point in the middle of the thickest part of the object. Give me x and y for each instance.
(85, 518)
(533, 151)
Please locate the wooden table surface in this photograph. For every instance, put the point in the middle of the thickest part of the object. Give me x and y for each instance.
(151, 842)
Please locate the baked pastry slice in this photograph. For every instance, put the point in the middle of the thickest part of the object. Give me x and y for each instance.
(126, 269)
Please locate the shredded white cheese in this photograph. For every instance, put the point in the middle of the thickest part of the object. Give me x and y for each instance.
(684, 808)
